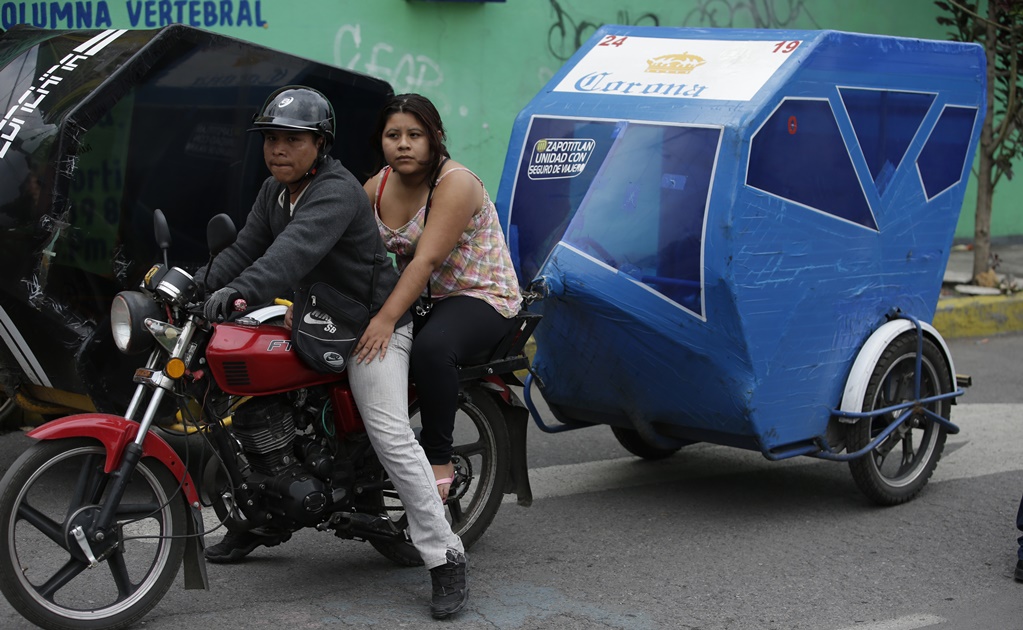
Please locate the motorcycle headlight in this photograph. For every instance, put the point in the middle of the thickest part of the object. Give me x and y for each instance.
(128, 314)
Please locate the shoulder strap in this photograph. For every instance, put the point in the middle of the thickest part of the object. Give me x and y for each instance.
(377, 261)
(380, 186)
(429, 197)
(426, 215)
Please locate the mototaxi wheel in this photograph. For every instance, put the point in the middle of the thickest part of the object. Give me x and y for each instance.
(57, 485)
(482, 455)
(632, 441)
(898, 468)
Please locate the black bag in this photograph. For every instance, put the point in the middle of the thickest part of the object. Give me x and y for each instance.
(327, 324)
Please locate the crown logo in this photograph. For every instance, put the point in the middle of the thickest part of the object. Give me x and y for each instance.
(675, 64)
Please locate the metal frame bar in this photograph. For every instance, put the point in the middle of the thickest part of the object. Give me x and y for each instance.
(535, 413)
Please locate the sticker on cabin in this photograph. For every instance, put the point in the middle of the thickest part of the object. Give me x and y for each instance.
(623, 65)
(559, 158)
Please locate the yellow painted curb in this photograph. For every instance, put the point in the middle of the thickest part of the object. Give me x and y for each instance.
(979, 316)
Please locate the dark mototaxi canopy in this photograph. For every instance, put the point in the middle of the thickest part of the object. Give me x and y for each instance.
(99, 128)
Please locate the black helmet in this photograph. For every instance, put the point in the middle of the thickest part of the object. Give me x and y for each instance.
(297, 107)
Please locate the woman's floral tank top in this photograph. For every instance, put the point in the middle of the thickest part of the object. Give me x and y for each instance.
(480, 266)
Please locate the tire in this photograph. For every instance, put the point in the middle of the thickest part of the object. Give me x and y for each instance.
(482, 453)
(898, 468)
(633, 442)
(40, 493)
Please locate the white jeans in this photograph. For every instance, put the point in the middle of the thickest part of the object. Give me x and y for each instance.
(381, 393)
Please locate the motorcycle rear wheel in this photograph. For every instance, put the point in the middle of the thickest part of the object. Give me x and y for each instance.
(483, 451)
(44, 573)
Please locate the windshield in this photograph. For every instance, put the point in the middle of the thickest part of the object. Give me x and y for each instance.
(632, 196)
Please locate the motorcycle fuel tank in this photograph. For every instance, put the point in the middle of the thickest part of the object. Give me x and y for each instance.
(259, 360)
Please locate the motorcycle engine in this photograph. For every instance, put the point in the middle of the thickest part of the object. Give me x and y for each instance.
(265, 428)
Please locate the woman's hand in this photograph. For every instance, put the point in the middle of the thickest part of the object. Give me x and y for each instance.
(374, 341)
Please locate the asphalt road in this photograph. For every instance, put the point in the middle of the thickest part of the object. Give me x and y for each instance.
(712, 538)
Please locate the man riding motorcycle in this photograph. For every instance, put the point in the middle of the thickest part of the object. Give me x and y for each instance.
(311, 222)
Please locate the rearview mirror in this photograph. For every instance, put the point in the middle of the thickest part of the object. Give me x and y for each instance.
(220, 233)
(162, 232)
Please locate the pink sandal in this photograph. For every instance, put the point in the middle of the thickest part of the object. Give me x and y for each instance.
(447, 480)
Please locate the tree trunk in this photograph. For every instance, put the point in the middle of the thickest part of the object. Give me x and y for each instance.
(982, 219)
(985, 174)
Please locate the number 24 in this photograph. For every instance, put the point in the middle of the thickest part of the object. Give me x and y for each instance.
(613, 40)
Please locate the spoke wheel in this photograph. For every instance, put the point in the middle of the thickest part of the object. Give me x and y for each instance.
(482, 455)
(899, 467)
(56, 486)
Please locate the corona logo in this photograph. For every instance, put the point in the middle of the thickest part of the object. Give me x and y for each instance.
(675, 64)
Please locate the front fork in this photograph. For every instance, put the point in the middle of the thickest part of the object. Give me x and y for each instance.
(123, 456)
(160, 384)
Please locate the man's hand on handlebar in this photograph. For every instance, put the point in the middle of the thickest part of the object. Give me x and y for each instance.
(222, 303)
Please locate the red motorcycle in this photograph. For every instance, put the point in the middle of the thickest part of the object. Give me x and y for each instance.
(97, 517)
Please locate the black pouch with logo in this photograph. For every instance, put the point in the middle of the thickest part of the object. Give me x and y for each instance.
(326, 325)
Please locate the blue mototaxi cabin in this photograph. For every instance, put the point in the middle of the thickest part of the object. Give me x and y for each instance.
(720, 219)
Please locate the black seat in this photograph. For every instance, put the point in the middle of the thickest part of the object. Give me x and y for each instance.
(508, 354)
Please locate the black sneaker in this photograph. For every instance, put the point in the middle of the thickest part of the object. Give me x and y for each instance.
(449, 589)
(236, 545)
(1018, 576)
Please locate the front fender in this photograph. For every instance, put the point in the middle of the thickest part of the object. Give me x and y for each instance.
(115, 433)
(870, 354)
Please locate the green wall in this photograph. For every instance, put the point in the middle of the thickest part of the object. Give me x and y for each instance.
(481, 62)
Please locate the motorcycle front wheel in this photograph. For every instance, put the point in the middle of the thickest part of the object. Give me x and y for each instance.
(56, 486)
(482, 454)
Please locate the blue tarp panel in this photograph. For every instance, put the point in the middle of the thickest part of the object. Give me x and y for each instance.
(724, 216)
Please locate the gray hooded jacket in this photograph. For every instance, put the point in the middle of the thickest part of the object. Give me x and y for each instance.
(332, 237)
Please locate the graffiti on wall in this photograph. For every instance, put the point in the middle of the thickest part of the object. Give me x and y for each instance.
(567, 33)
(405, 71)
(750, 13)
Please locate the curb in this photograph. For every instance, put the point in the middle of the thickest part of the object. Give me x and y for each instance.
(979, 316)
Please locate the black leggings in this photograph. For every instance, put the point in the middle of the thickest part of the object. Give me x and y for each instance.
(460, 330)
